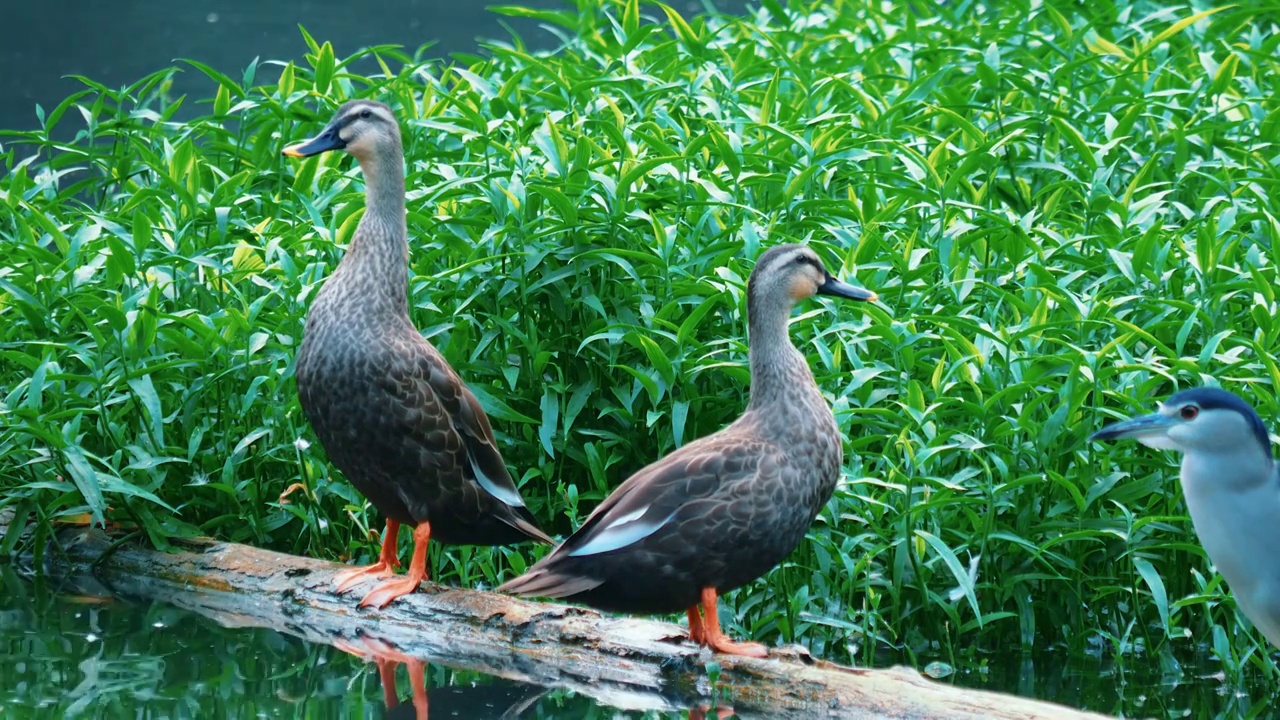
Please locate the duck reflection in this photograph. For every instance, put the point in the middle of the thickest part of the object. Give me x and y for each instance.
(497, 700)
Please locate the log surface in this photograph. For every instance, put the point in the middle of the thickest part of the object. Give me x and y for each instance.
(629, 663)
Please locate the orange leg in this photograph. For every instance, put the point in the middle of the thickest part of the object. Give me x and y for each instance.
(385, 567)
(395, 587)
(714, 639)
(418, 679)
(386, 657)
(387, 674)
(696, 633)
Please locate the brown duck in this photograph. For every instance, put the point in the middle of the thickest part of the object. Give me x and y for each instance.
(725, 509)
(390, 412)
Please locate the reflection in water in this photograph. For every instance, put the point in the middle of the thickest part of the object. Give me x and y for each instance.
(81, 653)
(498, 699)
(495, 699)
(1141, 685)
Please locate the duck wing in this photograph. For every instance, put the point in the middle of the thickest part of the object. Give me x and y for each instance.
(445, 406)
(697, 483)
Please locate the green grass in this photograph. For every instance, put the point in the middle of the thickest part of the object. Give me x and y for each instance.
(1067, 215)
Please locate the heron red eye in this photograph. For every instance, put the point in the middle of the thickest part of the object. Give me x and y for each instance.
(1189, 412)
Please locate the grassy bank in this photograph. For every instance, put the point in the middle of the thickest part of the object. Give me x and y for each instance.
(1067, 215)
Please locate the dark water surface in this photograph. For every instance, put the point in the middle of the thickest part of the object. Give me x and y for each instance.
(68, 655)
(116, 42)
(73, 652)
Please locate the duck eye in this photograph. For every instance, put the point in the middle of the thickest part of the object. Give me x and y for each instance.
(1189, 412)
(365, 114)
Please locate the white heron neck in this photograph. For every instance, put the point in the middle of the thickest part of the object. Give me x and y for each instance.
(1234, 502)
(1224, 473)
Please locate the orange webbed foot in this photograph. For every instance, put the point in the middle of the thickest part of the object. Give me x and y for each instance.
(389, 590)
(386, 657)
(384, 568)
(348, 579)
(725, 646)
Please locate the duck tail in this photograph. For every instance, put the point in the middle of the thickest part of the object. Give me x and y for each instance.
(521, 519)
(544, 582)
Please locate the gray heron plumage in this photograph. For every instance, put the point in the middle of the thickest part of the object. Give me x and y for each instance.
(1231, 486)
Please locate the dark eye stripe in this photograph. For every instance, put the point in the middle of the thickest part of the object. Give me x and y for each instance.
(794, 259)
(811, 262)
(354, 115)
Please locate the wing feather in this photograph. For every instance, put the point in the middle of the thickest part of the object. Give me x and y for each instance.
(688, 486)
(470, 422)
(653, 498)
(451, 429)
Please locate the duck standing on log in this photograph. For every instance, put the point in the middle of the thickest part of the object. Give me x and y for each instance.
(386, 406)
(725, 509)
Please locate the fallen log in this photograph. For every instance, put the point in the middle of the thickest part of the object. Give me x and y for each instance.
(628, 663)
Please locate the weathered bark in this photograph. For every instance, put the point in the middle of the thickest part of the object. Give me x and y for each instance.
(624, 662)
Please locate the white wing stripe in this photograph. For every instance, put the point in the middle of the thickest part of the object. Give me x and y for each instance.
(628, 529)
(507, 496)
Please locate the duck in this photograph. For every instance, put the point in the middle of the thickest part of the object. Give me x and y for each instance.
(390, 412)
(722, 510)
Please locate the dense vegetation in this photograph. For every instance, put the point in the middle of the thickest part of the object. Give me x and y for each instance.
(1067, 213)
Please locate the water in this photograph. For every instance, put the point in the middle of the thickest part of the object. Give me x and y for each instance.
(82, 654)
(116, 43)
(77, 651)
(1133, 688)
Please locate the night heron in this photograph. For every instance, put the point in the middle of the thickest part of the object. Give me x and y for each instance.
(1233, 493)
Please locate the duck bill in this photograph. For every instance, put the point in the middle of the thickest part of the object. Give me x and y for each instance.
(1150, 430)
(835, 288)
(327, 140)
